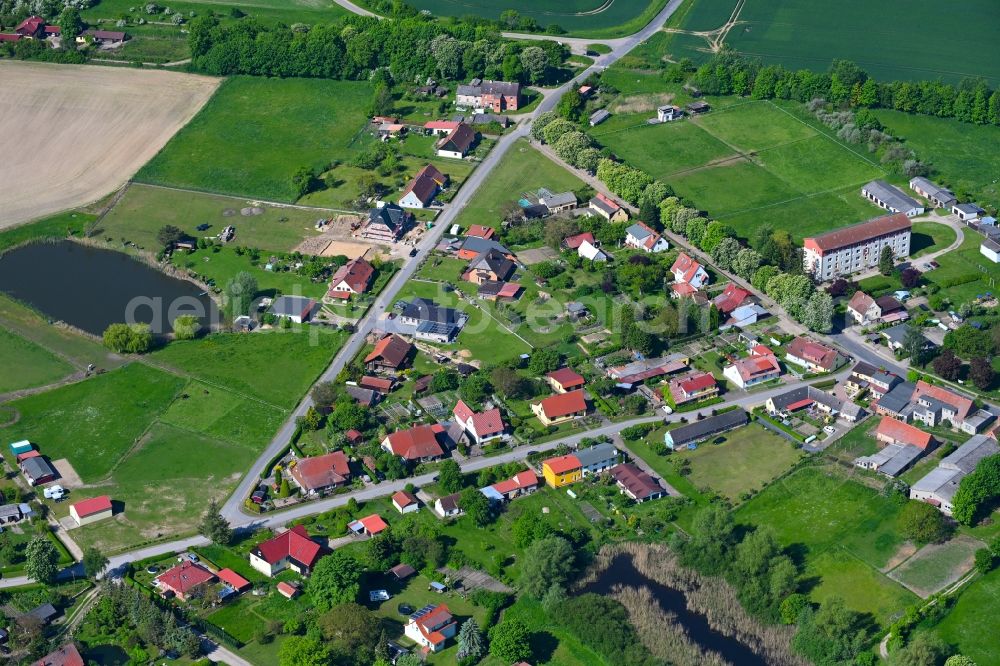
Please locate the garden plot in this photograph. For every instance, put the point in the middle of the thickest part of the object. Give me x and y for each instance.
(936, 566)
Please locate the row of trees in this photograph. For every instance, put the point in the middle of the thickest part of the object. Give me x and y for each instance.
(846, 83)
(353, 47)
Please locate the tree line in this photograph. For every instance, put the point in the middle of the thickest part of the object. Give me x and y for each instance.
(845, 84)
(362, 48)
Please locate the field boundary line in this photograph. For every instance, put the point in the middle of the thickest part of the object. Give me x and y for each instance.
(781, 203)
(177, 372)
(831, 138)
(266, 202)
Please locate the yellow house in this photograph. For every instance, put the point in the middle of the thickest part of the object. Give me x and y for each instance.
(562, 471)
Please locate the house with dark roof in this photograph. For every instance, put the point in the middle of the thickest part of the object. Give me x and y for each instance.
(183, 580)
(896, 401)
(417, 444)
(967, 212)
(810, 397)
(292, 549)
(812, 356)
(560, 408)
(866, 310)
(387, 224)
(319, 474)
(641, 369)
(866, 377)
(557, 202)
(891, 198)
(857, 247)
(474, 246)
(431, 321)
(422, 189)
(596, 459)
(642, 237)
(298, 309)
(448, 506)
(44, 614)
(457, 143)
(895, 337)
(390, 355)
(363, 396)
(636, 484)
(692, 433)
(353, 278)
(37, 470)
(481, 427)
(491, 266)
(608, 208)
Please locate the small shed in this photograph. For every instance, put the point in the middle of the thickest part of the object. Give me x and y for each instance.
(598, 117)
(288, 590)
(698, 107)
(437, 587)
(23, 446)
(402, 571)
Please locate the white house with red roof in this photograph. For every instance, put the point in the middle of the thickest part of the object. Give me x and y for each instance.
(560, 407)
(642, 237)
(574, 242)
(405, 502)
(522, 483)
(693, 386)
(183, 579)
(753, 370)
(417, 444)
(353, 278)
(431, 627)
(857, 247)
(91, 510)
(481, 427)
(368, 526)
(564, 380)
(292, 549)
(689, 275)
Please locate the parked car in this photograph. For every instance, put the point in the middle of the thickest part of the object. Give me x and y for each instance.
(829, 429)
(192, 557)
(259, 497)
(413, 251)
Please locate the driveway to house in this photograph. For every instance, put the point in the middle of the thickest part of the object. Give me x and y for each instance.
(948, 221)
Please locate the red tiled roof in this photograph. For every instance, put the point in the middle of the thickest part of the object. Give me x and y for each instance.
(753, 366)
(89, 507)
(34, 453)
(509, 290)
(233, 579)
(799, 404)
(813, 352)
(415, 443)
(730, 298)
(638, 482)
(566, 377)
(479, 231)
(430, 623)
(357, 273)
(373, 524)
(961, 404)
(485, 423)
(903, 433)
(67, 655)
(685, 266)
(294, 543)
(380, 384)
(353, 435)
(573, 242)
(697, 383)
(184, 577)
(761, 350)
(859, 233)
(521, 480)
(392, 349)
(441, 124)
(564, 404)
(608, 200)
(5, 37)
(30, 25)
(683, 289)
(404, 499)
(562, 464)
(330, 469)
(287, 589)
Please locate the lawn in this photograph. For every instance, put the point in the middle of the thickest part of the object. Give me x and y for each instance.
(750, 163)
(522, 169)
(746, 461)
(256, 132)
(974, 623)
(568, 650)
(144, 210)
(965, 273)
(26, 365)
(928, 237)
(936, 566)
(585, 18)
(275, 367)
(965, 157)
(839, 528)
(801, 34)
(222, 264)
(222, 414)
(94, 423)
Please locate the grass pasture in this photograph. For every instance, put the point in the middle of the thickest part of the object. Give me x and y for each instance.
(585, 18)
(976, 617)
(966, 157)
(255, 133)
(750, 163)
(523, 168)
(801, 34)
(26, 365)
(746, 461)
(937, 566)
(844, 532)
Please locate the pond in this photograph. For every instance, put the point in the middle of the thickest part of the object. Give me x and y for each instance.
(623, 572)
(90, 288)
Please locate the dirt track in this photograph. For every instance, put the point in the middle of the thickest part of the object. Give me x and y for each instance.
(71, 134)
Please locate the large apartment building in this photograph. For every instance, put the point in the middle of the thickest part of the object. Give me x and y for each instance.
(857, 247)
